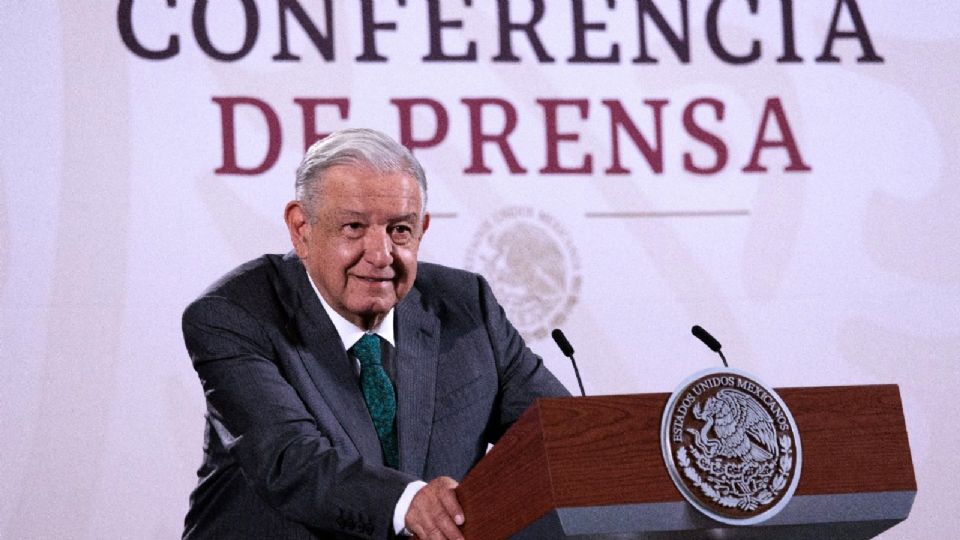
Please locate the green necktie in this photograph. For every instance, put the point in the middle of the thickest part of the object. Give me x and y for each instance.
(379, 395)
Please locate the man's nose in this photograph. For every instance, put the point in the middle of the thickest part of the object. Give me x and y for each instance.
(378, 248)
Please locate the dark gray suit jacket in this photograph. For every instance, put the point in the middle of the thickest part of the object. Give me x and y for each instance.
(290, 450)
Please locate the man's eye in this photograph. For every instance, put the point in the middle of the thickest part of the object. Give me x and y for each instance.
(353, 229)
(401, 234)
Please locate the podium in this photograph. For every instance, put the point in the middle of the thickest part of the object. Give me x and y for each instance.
(592, 468)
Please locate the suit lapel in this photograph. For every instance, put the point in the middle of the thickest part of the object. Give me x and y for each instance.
(328, 365)
(416, 367)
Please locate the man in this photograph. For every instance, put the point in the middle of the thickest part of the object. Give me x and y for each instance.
(348, 386)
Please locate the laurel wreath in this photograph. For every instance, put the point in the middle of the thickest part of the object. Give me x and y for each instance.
(750, 502)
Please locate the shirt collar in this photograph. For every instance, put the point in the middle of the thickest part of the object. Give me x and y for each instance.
(350, 333)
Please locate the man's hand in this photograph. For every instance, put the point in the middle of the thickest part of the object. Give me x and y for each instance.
(434, 513)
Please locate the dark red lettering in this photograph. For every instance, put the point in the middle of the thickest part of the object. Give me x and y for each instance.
(554, 136)
(309, 106)
(620, 119)
(227, 109)
(405, 109)
(774, 109)
(704, 136)
(478, 138)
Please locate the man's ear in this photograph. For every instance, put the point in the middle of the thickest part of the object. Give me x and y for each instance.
(299, 228)
(425, 225)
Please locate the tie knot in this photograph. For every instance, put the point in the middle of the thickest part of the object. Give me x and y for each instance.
(367, 350)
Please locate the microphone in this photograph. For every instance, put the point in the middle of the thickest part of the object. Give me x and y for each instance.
(709, 341)
(567, 351)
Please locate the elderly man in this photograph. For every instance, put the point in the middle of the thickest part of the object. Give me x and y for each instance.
(348, 386)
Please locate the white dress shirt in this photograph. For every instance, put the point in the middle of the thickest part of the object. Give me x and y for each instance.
(350, 334)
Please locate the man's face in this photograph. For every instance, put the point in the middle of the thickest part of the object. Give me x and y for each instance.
(361, 247)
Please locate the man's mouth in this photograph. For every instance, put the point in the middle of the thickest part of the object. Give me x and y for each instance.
(373, 279)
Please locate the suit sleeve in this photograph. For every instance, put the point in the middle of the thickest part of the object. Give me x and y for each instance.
(523, 377)
(286, 457)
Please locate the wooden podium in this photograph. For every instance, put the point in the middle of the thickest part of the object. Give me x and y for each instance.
(593, 468)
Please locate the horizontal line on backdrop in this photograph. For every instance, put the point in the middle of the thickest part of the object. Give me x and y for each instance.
(675, 214)
(443, 215)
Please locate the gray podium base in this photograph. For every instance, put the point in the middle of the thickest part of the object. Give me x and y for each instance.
(815, 517)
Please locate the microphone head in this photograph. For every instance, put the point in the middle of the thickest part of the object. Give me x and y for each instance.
(705, 337)
(562, 342)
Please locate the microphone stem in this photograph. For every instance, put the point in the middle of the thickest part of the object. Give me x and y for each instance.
(577, 372)
(724, 358)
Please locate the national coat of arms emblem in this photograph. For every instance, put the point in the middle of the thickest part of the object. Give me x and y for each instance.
(731, 447)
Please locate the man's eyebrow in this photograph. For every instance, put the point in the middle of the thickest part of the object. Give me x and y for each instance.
(348, 214)
(412, 216)
(354, 214)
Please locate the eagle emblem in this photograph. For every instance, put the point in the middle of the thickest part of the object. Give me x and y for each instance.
(731, 447)
(532, 265)
(743, 429)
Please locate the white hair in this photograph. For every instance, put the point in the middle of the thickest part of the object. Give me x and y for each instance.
(356, 147)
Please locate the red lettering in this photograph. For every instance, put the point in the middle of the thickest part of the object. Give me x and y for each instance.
(775, 108)
(309, 106)
(704, 136)
(620, 119)
(554, 137)
(441, 119)
(478, 138)
(227, 109)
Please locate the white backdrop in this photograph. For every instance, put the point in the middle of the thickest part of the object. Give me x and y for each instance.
(112, 217)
